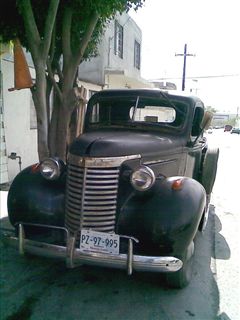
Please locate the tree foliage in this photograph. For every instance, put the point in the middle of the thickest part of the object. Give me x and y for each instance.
(59, 34)
(211, 109)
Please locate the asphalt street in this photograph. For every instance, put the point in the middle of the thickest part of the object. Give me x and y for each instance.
(36, 288)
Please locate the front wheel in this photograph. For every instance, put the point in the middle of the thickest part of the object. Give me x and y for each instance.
(209, 170)
(182, 277)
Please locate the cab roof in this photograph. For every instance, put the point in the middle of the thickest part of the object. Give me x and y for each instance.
(150, 92)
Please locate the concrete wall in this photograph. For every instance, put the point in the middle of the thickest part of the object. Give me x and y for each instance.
(19, 137)
(94, 70)
(91, 87)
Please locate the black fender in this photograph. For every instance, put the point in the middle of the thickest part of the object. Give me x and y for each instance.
(164, 220)
(33, 199)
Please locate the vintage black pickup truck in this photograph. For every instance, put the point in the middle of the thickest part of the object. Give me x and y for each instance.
(134, 192)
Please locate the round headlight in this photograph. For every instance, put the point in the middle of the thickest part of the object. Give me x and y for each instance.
(50, 169)
(143, 178)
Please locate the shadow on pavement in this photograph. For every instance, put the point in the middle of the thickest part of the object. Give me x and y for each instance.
(36, 288)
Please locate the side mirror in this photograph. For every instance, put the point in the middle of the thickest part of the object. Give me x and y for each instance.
(206, 121)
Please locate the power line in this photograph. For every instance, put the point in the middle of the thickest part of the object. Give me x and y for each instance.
(200, 77)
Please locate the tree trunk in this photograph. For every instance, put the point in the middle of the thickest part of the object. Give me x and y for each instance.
(52, 135)
(39, 98)
(62, 132)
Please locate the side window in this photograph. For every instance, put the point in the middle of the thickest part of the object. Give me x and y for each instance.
(197, 119)
(95, 114)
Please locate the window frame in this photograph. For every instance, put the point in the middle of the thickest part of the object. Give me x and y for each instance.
(118, 39)
(137, 54)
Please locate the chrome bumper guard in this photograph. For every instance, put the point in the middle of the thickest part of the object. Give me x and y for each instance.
(74, 257)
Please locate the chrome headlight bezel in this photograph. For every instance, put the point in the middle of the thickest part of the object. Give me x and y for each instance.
(143, 178)
(51, 168)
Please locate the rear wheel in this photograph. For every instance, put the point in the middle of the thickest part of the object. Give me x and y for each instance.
(182, 277)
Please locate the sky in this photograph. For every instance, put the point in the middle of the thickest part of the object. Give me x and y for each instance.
(211, 30)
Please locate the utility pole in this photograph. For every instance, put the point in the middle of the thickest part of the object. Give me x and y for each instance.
(185, 55)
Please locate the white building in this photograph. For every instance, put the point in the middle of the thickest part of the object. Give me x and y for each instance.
(18, 125)
(118, 64)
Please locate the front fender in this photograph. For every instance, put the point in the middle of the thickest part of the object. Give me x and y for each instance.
(164, 220)
(33, 199)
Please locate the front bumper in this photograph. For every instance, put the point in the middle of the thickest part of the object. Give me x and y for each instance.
(74, 257)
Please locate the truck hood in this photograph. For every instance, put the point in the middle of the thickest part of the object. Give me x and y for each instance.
(123, 143)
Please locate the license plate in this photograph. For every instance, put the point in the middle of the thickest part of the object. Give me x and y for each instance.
(94, 241)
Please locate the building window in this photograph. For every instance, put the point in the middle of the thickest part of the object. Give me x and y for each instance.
(118, 40)
(137, 56)
(33, 117)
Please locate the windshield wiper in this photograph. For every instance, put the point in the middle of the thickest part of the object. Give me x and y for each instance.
(135, 109)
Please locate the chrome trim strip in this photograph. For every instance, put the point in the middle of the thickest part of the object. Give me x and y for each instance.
(100, 218)
(21, 239)
(94, 187)
(159, 161)
(92, 224)
(70, 252)
(83, 195)
(114, 173)
(97, 214)
(100, 162)
(75, 257)
(104, 180)
(106, 202)
(130, 257)
(102, 197)
(100, 192)
(100, 208)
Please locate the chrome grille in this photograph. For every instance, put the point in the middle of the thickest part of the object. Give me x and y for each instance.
(93, 206)
(91, 197)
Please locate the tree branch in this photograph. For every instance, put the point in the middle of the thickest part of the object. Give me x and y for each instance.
(54, 83)
(87, 36)
(66, 34)
(49, 26)
(30, 27)
(52, 46)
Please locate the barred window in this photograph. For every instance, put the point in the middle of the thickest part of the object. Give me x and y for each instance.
(118, 40)
(137, 54)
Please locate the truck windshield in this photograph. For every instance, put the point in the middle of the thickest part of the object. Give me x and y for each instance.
(134, 111)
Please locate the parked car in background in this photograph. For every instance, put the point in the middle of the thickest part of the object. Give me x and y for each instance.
(210, 130)
(235, 130)
(227, 128)
(134, 192)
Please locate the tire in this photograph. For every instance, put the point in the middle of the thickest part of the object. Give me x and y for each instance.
(204, 219)
(209, 170)
(181, 278)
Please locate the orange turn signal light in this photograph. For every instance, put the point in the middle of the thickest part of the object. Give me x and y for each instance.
(177, 184)
(35, 167)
